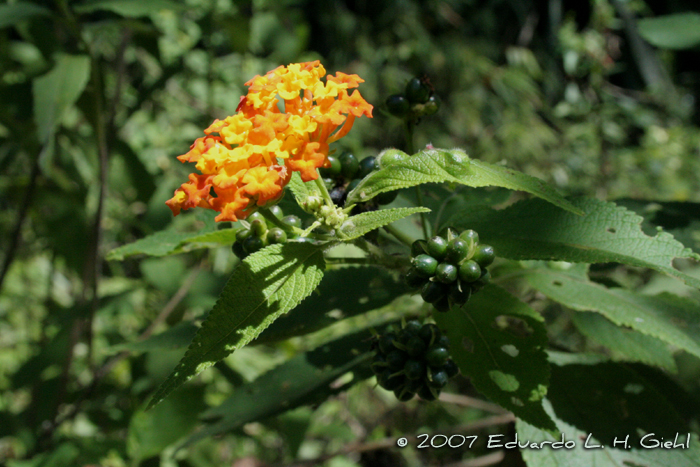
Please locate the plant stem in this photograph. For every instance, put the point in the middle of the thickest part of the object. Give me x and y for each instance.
(410, 125)
(324, 191)
(400, 236)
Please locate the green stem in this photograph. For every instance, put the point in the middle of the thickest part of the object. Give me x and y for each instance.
(400, 236)
(324, 191)
(378, 256)
(410, 125)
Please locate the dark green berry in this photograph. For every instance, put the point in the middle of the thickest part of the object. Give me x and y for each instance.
(438, 379)
(483, 281)
(396, 359)
(413, 279)
(403, 395)
(352, 185)
(412, 327)
(386, 342)
(276, 235)
(417, 92)
(390, 381)
(446, 273)
(470, 236)
(254, 216)
(451, 368)
(367, 166)
(238, 250)
(432, 291)
(436, 356)
(276, 211)
(443, 341)
(349, 165)
(334, 168)
(398, 105)
(442, 304)
(425, 265)
(253, 244)
(292, 220)
(414, 385)
(386, 197)
(437, 247)
(429, 332)
(414, 369)
(378, 364)
(457, 250)
(242, 234)
(460, 293)
(469, 271)
(426, 393)
(432, 106)
(419, 247)
(415, 347)
(258, 227)
(484, 255)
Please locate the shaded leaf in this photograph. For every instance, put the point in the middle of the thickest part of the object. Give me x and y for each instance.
(357, 226)
(16, 12)
(676, 31)
(57, 91)
(498, 342)
(672, 319)
(264, 286)
(454, 166)
(533, 229)
(127, 8)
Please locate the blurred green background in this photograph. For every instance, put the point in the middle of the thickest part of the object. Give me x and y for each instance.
(97, 98)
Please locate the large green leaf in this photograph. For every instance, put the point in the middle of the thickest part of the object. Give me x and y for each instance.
(454, 166)
(16, 12)
(305, 379)
(498, 342)
(127, 8)
(533, 229)
(357, 226)
(676, 31)
(667, 317)
(57, 91)
(263, 287)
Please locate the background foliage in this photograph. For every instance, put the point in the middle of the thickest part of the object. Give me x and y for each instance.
(598, 98)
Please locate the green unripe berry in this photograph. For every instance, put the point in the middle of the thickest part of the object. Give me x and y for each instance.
(443, 341)
(438, 380)
(413, 385)
(437, 247)
(276, 211)
(436, 356)
(457, 250)
(390, 156)
(378, 364)
(451, 368)
(414, 369)
(413, 279)
(238, 250)
(415, 347)
(398, 105)
(367, 166)
(470, 236)
(483, 281)
(442, 304)
(403, 395)
(469, 271)
(276, 235)
(258, 227)
(334, 168)
(446, 273)
(349, 165)
(429, 332)
(242, 234)
(253, 244)
(432, 291)
(425, 265)
(386, 342)
(396, 359)
(254, 216)
(417, 92)
(431, 107)
(292, 220)
(412, 327)
(386, 197)
(460, 293)
(353, 184)
(426, 394)
(419, 247)
(484, 255)
(389, 382)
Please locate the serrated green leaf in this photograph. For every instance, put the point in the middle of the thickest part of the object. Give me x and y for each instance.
(302, 190)
(16, 12)
(533, 229)
(306, 378)
(127, 8)
(676, 31)
(624, 344)
(672, 319)
(263, 287)
(454, 166)
(343, 293)
(498, 342)
(357, 226)
(57, 91)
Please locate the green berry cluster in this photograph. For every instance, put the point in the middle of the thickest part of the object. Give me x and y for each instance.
(448, 270)
(345, 173)
(418, 100)
(255, 233)
(413, 360)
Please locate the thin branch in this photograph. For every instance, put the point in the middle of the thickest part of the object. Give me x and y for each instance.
(467, 401)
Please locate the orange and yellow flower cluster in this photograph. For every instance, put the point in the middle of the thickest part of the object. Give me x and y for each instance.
(247, 159)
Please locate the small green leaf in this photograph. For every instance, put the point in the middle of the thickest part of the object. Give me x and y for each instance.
(302, 190)
(672, 319)
(357, 226)
(57, 91)
(263, 287)
(533, 229)
(16, 12)
(498, 342)
(305, 379)
(677, 31)
(127, 8)
(624, 344)
(454, 166)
